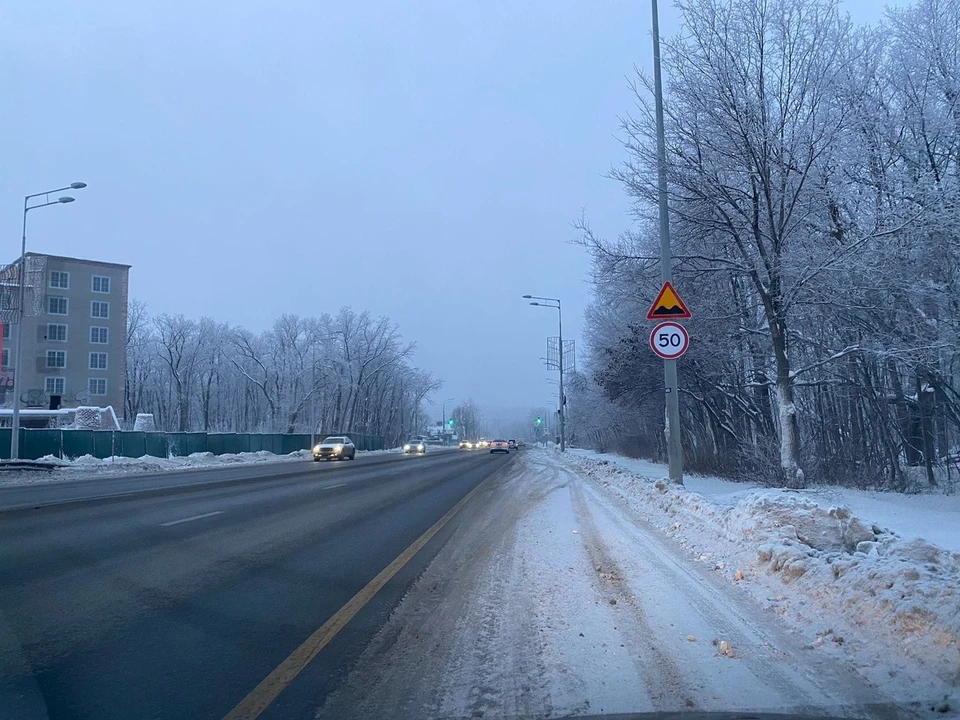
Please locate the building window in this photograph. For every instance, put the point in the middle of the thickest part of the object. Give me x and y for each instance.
(57, 305)
(59, 279)
(5, 360)
(56, 332)
(97, 386)
(98, 361)
(101, 284)
(54, 385)
(98, 335)
(56, 358)
(99, 309)
(6, 331)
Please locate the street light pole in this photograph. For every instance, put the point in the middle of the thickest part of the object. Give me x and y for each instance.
(563, 400)
(21, 292)
(672, 409)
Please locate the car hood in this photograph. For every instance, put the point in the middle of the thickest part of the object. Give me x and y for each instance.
(702, 715)
(330, 445)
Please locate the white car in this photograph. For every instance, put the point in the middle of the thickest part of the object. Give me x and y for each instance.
(499, 446)
(337, 447)
(417, 447)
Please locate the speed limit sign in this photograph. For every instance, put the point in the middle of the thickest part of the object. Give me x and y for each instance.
(669, 340)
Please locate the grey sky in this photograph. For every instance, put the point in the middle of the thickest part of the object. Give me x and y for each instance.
(420, 160)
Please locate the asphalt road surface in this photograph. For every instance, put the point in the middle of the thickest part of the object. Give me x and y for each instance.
(177, 595)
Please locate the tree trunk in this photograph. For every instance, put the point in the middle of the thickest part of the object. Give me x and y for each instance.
(787, 412)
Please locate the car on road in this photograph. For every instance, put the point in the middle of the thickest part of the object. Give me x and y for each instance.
(512, 444)
(338, 447)
(520, 444)
(415, 447)
(499, 446)
(466, 445)
(483, 443)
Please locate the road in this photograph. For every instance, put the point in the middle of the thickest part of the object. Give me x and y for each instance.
(174, 595)
(456, 585)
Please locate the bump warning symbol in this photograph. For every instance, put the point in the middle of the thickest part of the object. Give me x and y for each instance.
(668, 305)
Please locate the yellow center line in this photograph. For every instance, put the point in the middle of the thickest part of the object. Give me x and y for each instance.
(259, 699)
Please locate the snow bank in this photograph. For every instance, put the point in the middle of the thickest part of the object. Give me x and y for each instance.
(931, 517)
(87, 465)
(841, 579)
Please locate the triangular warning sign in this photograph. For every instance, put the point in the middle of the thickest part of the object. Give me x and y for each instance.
(668, 305)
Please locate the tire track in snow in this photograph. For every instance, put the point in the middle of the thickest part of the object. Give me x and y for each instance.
(661, 676)
(776, 661)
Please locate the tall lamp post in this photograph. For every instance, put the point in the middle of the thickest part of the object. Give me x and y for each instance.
(548, 302)
(21, 291)
(443, 420)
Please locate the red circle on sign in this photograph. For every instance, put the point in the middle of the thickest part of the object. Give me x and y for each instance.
(669, 340)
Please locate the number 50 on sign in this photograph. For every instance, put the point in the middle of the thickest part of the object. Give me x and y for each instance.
(669, 340)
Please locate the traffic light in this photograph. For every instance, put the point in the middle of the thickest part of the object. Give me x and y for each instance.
(538, 422)
(451, 422)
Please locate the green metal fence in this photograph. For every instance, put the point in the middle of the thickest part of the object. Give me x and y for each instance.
(35, 444)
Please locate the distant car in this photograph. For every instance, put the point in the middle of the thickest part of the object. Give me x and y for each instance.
(415, 447)
(337, 447)
(520, 444)
(483, 443)
(512, 444)
(499, 446)
(465, 445)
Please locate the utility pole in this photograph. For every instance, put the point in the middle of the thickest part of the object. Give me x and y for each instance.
(563, 399)
(672, 413)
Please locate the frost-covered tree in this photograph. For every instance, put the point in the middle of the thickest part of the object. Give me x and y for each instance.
(345, 373)
(812, 171)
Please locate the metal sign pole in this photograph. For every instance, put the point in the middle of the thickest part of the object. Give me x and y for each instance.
(672, 414)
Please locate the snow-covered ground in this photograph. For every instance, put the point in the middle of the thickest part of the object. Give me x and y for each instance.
(930, 517)
(890, 600)
(571, 587)
(88, 466)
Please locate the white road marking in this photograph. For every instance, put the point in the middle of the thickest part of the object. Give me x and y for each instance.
(331, 487)
(189, 519)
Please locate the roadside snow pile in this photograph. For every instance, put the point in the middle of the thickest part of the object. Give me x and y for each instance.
(929, 516)
(816, 566)
(87, 465)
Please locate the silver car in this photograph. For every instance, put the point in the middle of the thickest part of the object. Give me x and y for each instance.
(335, 447)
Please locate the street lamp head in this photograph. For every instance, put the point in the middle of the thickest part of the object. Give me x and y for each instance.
(534, 303)
(78, 185)
(65, 199)
(527, 297)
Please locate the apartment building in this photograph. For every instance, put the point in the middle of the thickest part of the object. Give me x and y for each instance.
(74, 348)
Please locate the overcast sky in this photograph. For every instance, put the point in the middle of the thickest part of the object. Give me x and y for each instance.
(422, 160)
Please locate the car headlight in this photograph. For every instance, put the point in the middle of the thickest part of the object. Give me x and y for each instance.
(406, 447)
(316, 449)
(420, 447)
(337, 448)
